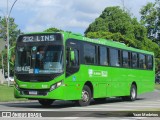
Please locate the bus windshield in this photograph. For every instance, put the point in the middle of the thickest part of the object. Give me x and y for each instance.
(39, 59)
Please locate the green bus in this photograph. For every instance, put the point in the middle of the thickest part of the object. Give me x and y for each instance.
(67, 66)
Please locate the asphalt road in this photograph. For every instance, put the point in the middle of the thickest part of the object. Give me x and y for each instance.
(146, 102)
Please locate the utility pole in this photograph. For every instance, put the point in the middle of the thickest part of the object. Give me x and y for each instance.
(7, 20)
(8, 45)
(2, 70)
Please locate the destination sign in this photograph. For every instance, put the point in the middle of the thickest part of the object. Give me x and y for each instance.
(38, 38)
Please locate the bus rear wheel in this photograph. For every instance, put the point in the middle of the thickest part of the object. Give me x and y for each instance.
(86, 96)
(133, 94)
(45, 102)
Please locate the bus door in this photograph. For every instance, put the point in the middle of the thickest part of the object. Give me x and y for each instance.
(72, 68)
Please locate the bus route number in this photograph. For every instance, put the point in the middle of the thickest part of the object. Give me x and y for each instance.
(25, 68)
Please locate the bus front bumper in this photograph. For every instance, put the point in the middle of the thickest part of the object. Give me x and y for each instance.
(56, 94)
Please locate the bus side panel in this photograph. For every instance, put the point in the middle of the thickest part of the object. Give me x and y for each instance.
(108, 81)
(76, 82)
(98, 76)
(146, 81)
(120, 82)
(73, 87)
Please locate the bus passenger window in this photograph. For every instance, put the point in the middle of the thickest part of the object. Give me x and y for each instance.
(142, 63)
(134, 60)
(114, 57)
(89, 54)
(149, 62)
(125, 59)
(103, 57)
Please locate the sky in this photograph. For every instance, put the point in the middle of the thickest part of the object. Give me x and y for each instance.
(68, 15)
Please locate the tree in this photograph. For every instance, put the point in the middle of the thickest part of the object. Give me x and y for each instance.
(13, 33)
(52, 29)
(116, 24)
(150, 17)
(119, 26)
(13, 30)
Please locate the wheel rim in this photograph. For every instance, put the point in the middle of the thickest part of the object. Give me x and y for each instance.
(133, 93)
(85, 96)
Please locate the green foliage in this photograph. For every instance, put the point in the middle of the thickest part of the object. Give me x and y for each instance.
(116, 24)
(13, 30)
(150, 17)
(111, 36)
(13, 33)
(52, 29)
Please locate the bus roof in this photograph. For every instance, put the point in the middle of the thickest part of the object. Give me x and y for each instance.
(106, 42)
(101, 41)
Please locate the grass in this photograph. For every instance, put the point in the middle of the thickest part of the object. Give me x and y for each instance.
(7, 94)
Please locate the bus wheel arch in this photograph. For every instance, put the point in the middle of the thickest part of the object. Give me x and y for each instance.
(86, 95)
(133, 93)
(89, 84)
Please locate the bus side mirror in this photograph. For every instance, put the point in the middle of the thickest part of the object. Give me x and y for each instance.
(72, 55)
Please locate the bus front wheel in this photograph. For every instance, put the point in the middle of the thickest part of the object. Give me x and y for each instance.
(133, 94)
(86, 96)
(45, 102)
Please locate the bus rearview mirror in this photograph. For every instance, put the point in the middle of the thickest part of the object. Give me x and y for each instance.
(72, 56)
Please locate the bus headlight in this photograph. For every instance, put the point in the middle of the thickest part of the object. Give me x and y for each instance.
(16, 86)
(56, 85)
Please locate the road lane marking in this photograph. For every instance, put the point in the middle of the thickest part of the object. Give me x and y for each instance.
(70, 118)
(100, 108)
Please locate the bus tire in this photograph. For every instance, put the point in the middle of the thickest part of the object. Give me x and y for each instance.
(45, 102)
(86, 96)
(133, 94)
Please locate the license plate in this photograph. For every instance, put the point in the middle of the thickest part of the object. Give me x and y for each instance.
(32, 92)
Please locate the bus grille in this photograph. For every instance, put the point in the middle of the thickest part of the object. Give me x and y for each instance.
(39, 92)
(36, 78)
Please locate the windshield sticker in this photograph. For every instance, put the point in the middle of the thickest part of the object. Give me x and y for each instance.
(97, 73)
(34, 48)
(30, 70)
(74, 78)
(21, 49)
(36, 71)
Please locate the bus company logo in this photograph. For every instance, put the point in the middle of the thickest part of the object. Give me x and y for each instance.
(6, 114)
(96, 73)
(90, 72)
(104, 73)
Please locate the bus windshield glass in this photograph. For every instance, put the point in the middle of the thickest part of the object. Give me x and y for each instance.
(39, 58)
